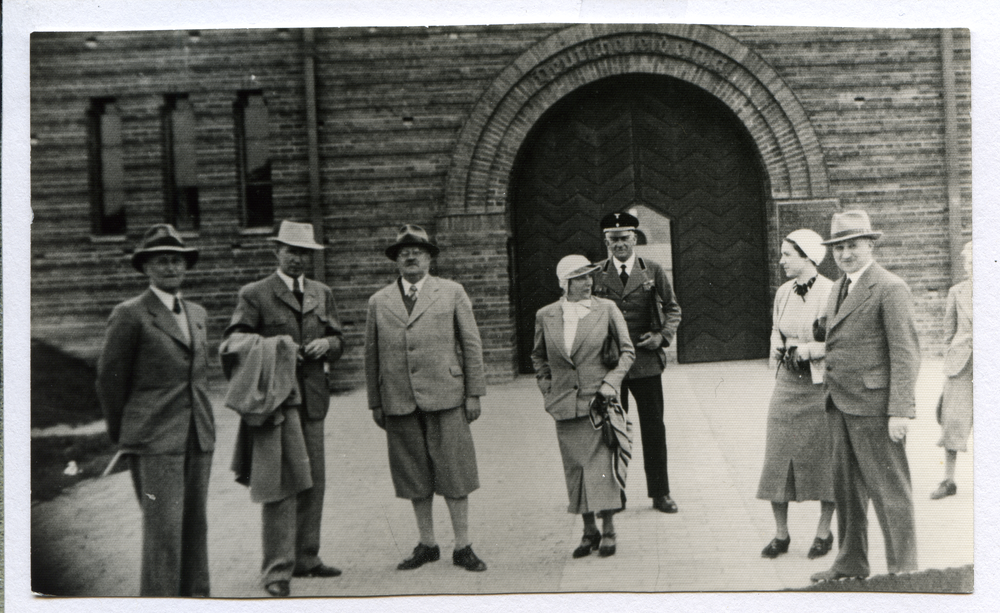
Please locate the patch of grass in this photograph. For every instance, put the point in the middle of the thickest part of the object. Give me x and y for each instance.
(932, 581)
(62, 388)
(51, 454)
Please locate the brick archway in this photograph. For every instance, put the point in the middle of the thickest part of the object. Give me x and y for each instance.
(704, 56)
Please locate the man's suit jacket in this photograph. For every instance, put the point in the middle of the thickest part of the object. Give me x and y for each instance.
(150, 381)
(431, 358)
(958, 328)
(872, 351)
(635, 301)
(570, 382)
(268, 308)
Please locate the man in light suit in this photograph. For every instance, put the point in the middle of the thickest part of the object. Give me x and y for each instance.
(424, 370)
(642, 292)
(872, 360)
(152, 384)
(287, 303)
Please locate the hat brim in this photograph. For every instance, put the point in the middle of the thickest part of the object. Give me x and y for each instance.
(313, 246)
(139, 257)
(582, 272)
(872, 235)
(393, 250)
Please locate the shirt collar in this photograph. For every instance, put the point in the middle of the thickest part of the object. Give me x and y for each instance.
(166, 298)
(854, 276)
(419, 284)
(580, 304)
(290, 282)
(629, 263)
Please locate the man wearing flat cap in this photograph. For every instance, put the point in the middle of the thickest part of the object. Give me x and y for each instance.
(153, 389)
(872, 360)
(424, 370)
(286, 303)
(640, 289)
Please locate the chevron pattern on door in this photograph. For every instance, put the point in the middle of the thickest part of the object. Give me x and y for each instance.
(668, 145)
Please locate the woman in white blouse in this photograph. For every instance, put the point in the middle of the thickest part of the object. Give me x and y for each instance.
(569, 337)
(797, 457)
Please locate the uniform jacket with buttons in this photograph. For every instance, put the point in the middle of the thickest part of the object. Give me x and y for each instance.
(646, 281)
(570, 382)
(152, 382)
(872, 350)
(431, 358)
(268, 308)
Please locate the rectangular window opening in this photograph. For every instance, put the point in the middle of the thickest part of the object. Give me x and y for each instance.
(253, 160)
(106, 168)
(180, 163)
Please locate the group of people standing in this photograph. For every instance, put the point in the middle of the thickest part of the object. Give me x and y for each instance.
(847, 357)
(848, 353)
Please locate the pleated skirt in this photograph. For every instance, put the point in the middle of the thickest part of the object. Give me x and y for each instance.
(587, 463)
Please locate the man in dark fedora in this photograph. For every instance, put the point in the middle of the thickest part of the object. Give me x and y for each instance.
(424, 370)
(872, 360)
(153, 388)
(642, 292)
(286, 303)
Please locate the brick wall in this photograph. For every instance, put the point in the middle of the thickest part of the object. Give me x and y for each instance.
(391, 105)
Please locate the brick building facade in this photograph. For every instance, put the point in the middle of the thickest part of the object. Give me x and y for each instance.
(462, 129)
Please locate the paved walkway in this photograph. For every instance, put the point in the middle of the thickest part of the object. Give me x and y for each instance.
(88, 539)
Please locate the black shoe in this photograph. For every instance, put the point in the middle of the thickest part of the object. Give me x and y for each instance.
(278, 589)
(776, 547)
(591, 542)
(320, 570)
(947, 488)
(608, 545)
(820, 547)
(664, 504)
(467, 559)
(833, 575)
(422, 554)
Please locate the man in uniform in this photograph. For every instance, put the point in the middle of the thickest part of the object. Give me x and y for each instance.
(872, 360)
(643, 294)
(153, 387)
(424, 370)
(287, 303)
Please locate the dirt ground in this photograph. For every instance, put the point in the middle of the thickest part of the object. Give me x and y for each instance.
(86, 542)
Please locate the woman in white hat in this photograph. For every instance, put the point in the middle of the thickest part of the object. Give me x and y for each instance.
(570, 338)
(797, 456)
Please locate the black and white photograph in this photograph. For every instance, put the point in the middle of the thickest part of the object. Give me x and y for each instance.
(608, 305)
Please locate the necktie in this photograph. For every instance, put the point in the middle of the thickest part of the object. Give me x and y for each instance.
(411, 298)
(843, 293)
(624, 276)
(297, 290)
(177, 305)
(803, 288)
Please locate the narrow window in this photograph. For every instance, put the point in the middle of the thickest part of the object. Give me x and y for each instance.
(253, 160)
(180, 163)
(107, 188)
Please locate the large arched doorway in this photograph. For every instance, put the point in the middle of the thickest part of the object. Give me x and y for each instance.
(661, 143)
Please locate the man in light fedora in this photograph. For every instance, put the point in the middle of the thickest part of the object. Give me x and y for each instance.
(872, 360)
(287, 303)
(424, 370)
(153, 388)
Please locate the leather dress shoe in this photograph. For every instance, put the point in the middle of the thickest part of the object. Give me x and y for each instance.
(422, 554)
(608, 545)
(820, 547)
(664, 504)
(833, 575)
(946, 488)
(320, 570)
(776, 547)
(467, 559)
(591, 542)
(278, 589)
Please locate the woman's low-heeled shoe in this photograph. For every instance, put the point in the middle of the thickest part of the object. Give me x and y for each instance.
(946, 488)
(821, 547)
(590, 542)
(776, 547)
(608, 545)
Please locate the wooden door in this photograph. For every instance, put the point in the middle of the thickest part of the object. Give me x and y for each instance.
(667, 145)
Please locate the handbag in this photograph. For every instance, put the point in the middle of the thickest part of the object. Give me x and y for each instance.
(610, 351)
